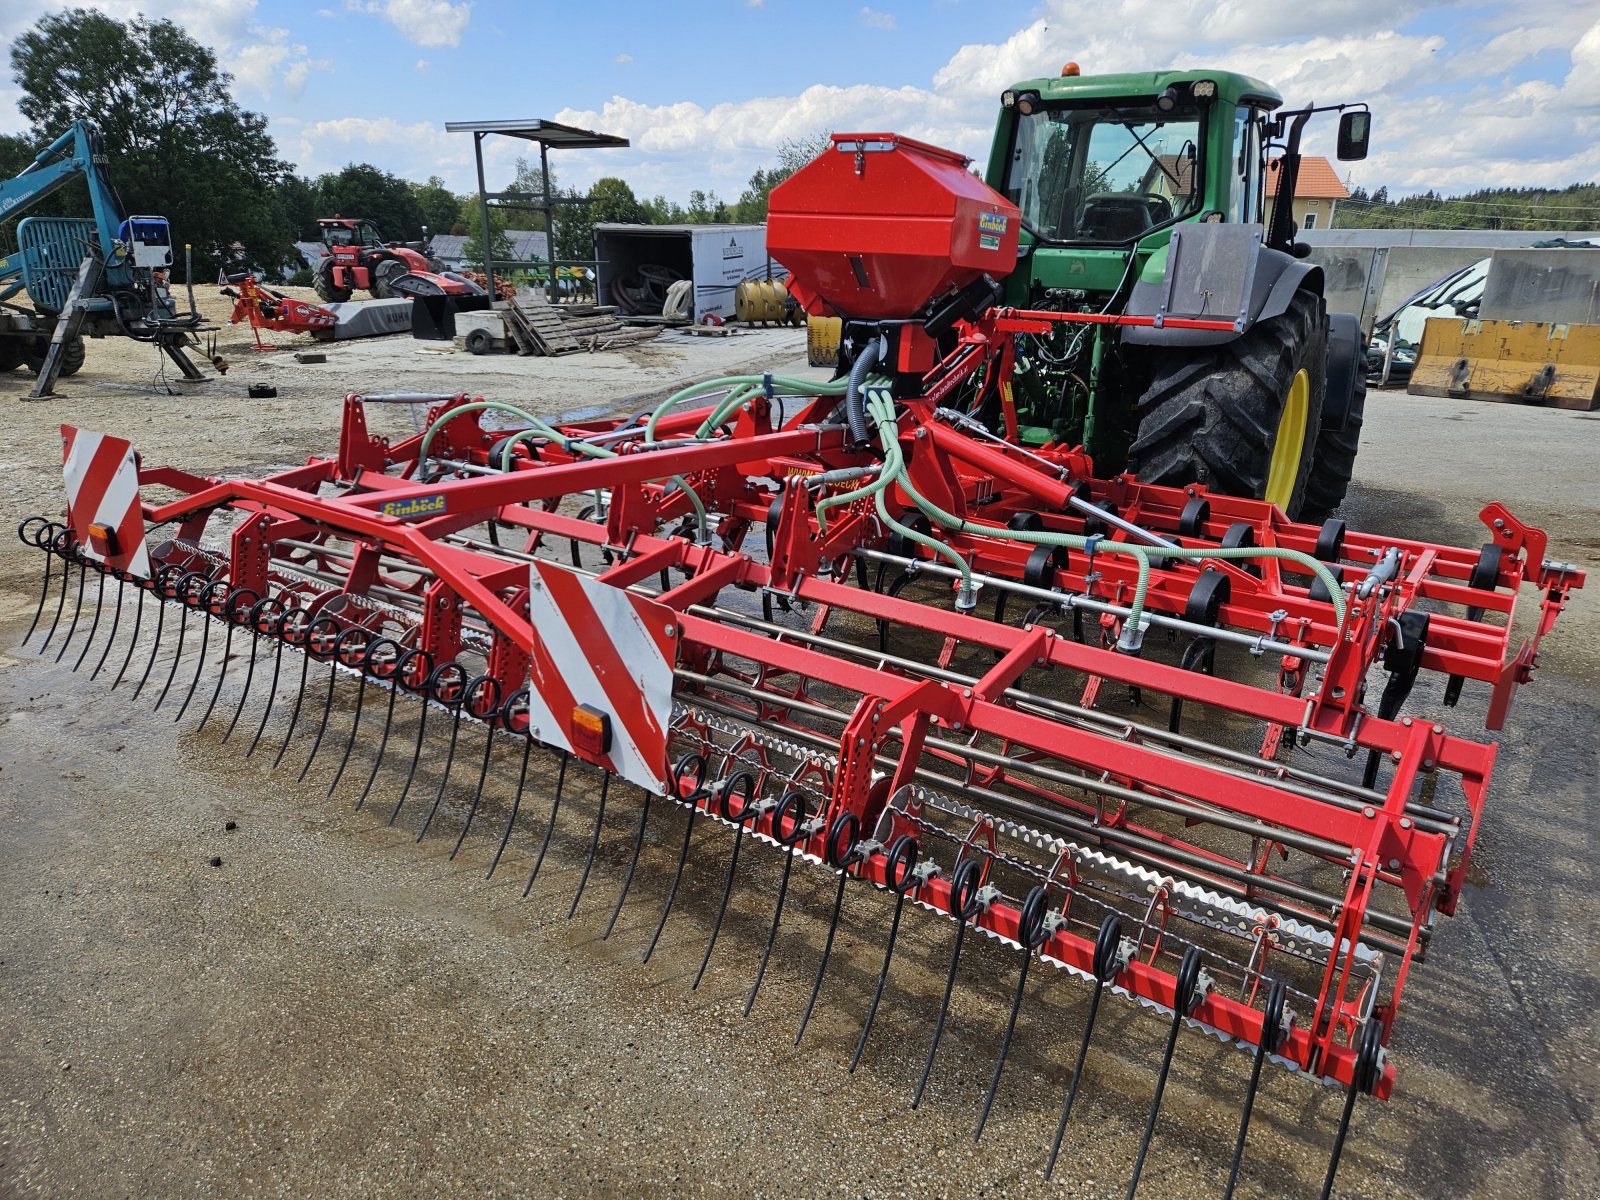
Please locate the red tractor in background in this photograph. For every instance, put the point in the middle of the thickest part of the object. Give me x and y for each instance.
(358, 258)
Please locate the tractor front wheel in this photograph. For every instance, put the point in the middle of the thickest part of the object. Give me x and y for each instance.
(327, 290)
(384, 275)
(1241, 418)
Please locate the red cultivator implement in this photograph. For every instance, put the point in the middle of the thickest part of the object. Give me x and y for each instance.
(1125, 729)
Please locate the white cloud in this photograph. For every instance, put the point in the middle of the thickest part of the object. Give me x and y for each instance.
(421, 64)
(421, 22)
(623, 60)
(873, 19)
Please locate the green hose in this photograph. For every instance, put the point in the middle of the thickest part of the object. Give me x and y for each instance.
(883, 411)
(789, 385)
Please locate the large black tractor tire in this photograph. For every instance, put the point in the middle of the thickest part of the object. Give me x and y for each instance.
(1335, 462)
(72, 356)
(383, 276)
(1213, 415)
(322, 281)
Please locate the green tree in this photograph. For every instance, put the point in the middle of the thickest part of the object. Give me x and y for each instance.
(176, 141)
(363, 190)
(793, 153)
(299, 206)
(439, 204)
(658, 210)
(705, 209)
(471, 219)
(610, 201)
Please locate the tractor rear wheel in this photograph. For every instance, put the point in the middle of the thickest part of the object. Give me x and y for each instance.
(1335, 462)
(384, 275)
(1241, 418)
(322, 281)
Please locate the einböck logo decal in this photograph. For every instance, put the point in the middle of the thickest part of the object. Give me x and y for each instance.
(416, 506)
(992, 222)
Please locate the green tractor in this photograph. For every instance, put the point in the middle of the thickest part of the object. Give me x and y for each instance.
(1146, 195)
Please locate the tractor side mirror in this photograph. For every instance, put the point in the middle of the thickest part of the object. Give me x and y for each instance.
(1355, 133)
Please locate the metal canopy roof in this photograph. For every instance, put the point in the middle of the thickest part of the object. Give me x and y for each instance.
(547, 133)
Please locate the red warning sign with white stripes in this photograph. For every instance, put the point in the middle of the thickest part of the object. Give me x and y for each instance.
(102, 478)
(601, 675)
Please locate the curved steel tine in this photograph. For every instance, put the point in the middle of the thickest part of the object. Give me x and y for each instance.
(1109, 958)
(177, 655)
(249, 676)
(1364, 1077)
(516, 803)
(155, 647)
(594, 842)
(902, 875)
(444, 776)
(1192, 985)
(200, 659)
(477, 792)
(693, 801)
(355, 725)
(44, 592)
(747, 811)
(94, 625)
(848, 827)
(327, 711)
(133, 638)
(801, 827)
(633, 862)
(61, 604)
(77, 610)
(966, 901)
(299, 699)
(222, 671)
(1273, 1029)
(111, 634)
(416, 756)
(550, 827)
(383, 744)
(1031, 932)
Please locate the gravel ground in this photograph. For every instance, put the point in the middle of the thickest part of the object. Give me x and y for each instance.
(336, 1010)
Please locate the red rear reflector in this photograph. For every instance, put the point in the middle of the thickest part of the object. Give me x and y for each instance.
(591, 731)
(103, 539)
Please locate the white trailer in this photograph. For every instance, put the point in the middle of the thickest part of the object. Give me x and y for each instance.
(715, 257)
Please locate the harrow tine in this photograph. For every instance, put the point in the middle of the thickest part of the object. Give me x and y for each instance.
(966, 900)
(94, 625)
(746, 781)
(397, 681)
(516, 803)
(289, 617)
(801, 828)
(155, 642)
(355, 726)
(1109, 959)
(594, 843)
(430, 690)
(1191, 988)
(183, 629)
(1274, 1027)
(205, 640)
(490, 718)
(633, 862)
(350, 644)
(230, 617)
(697, 763)
(60, 544)
(550, 828)
(1031, 933)
(449, 762)
(111, 634)
(299, 700)
(257, 611)
(39, 538)
(77, 610)
(847, 826)
(1368, 1071)
(902, 876)
(133, 638)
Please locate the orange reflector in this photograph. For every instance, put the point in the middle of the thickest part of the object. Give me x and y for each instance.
(1070, 69)
(103, 539)
(591, 731)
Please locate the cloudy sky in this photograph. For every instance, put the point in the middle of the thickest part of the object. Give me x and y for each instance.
(1465, 94)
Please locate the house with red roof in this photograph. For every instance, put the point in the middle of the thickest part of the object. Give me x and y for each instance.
(1317, 192)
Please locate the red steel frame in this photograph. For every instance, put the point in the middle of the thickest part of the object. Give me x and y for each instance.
(1381, 846)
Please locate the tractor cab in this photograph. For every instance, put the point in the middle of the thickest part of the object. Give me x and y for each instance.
(339, 233)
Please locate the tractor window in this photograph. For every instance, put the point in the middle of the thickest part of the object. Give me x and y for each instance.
(1105, 173)
(1244, 199)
